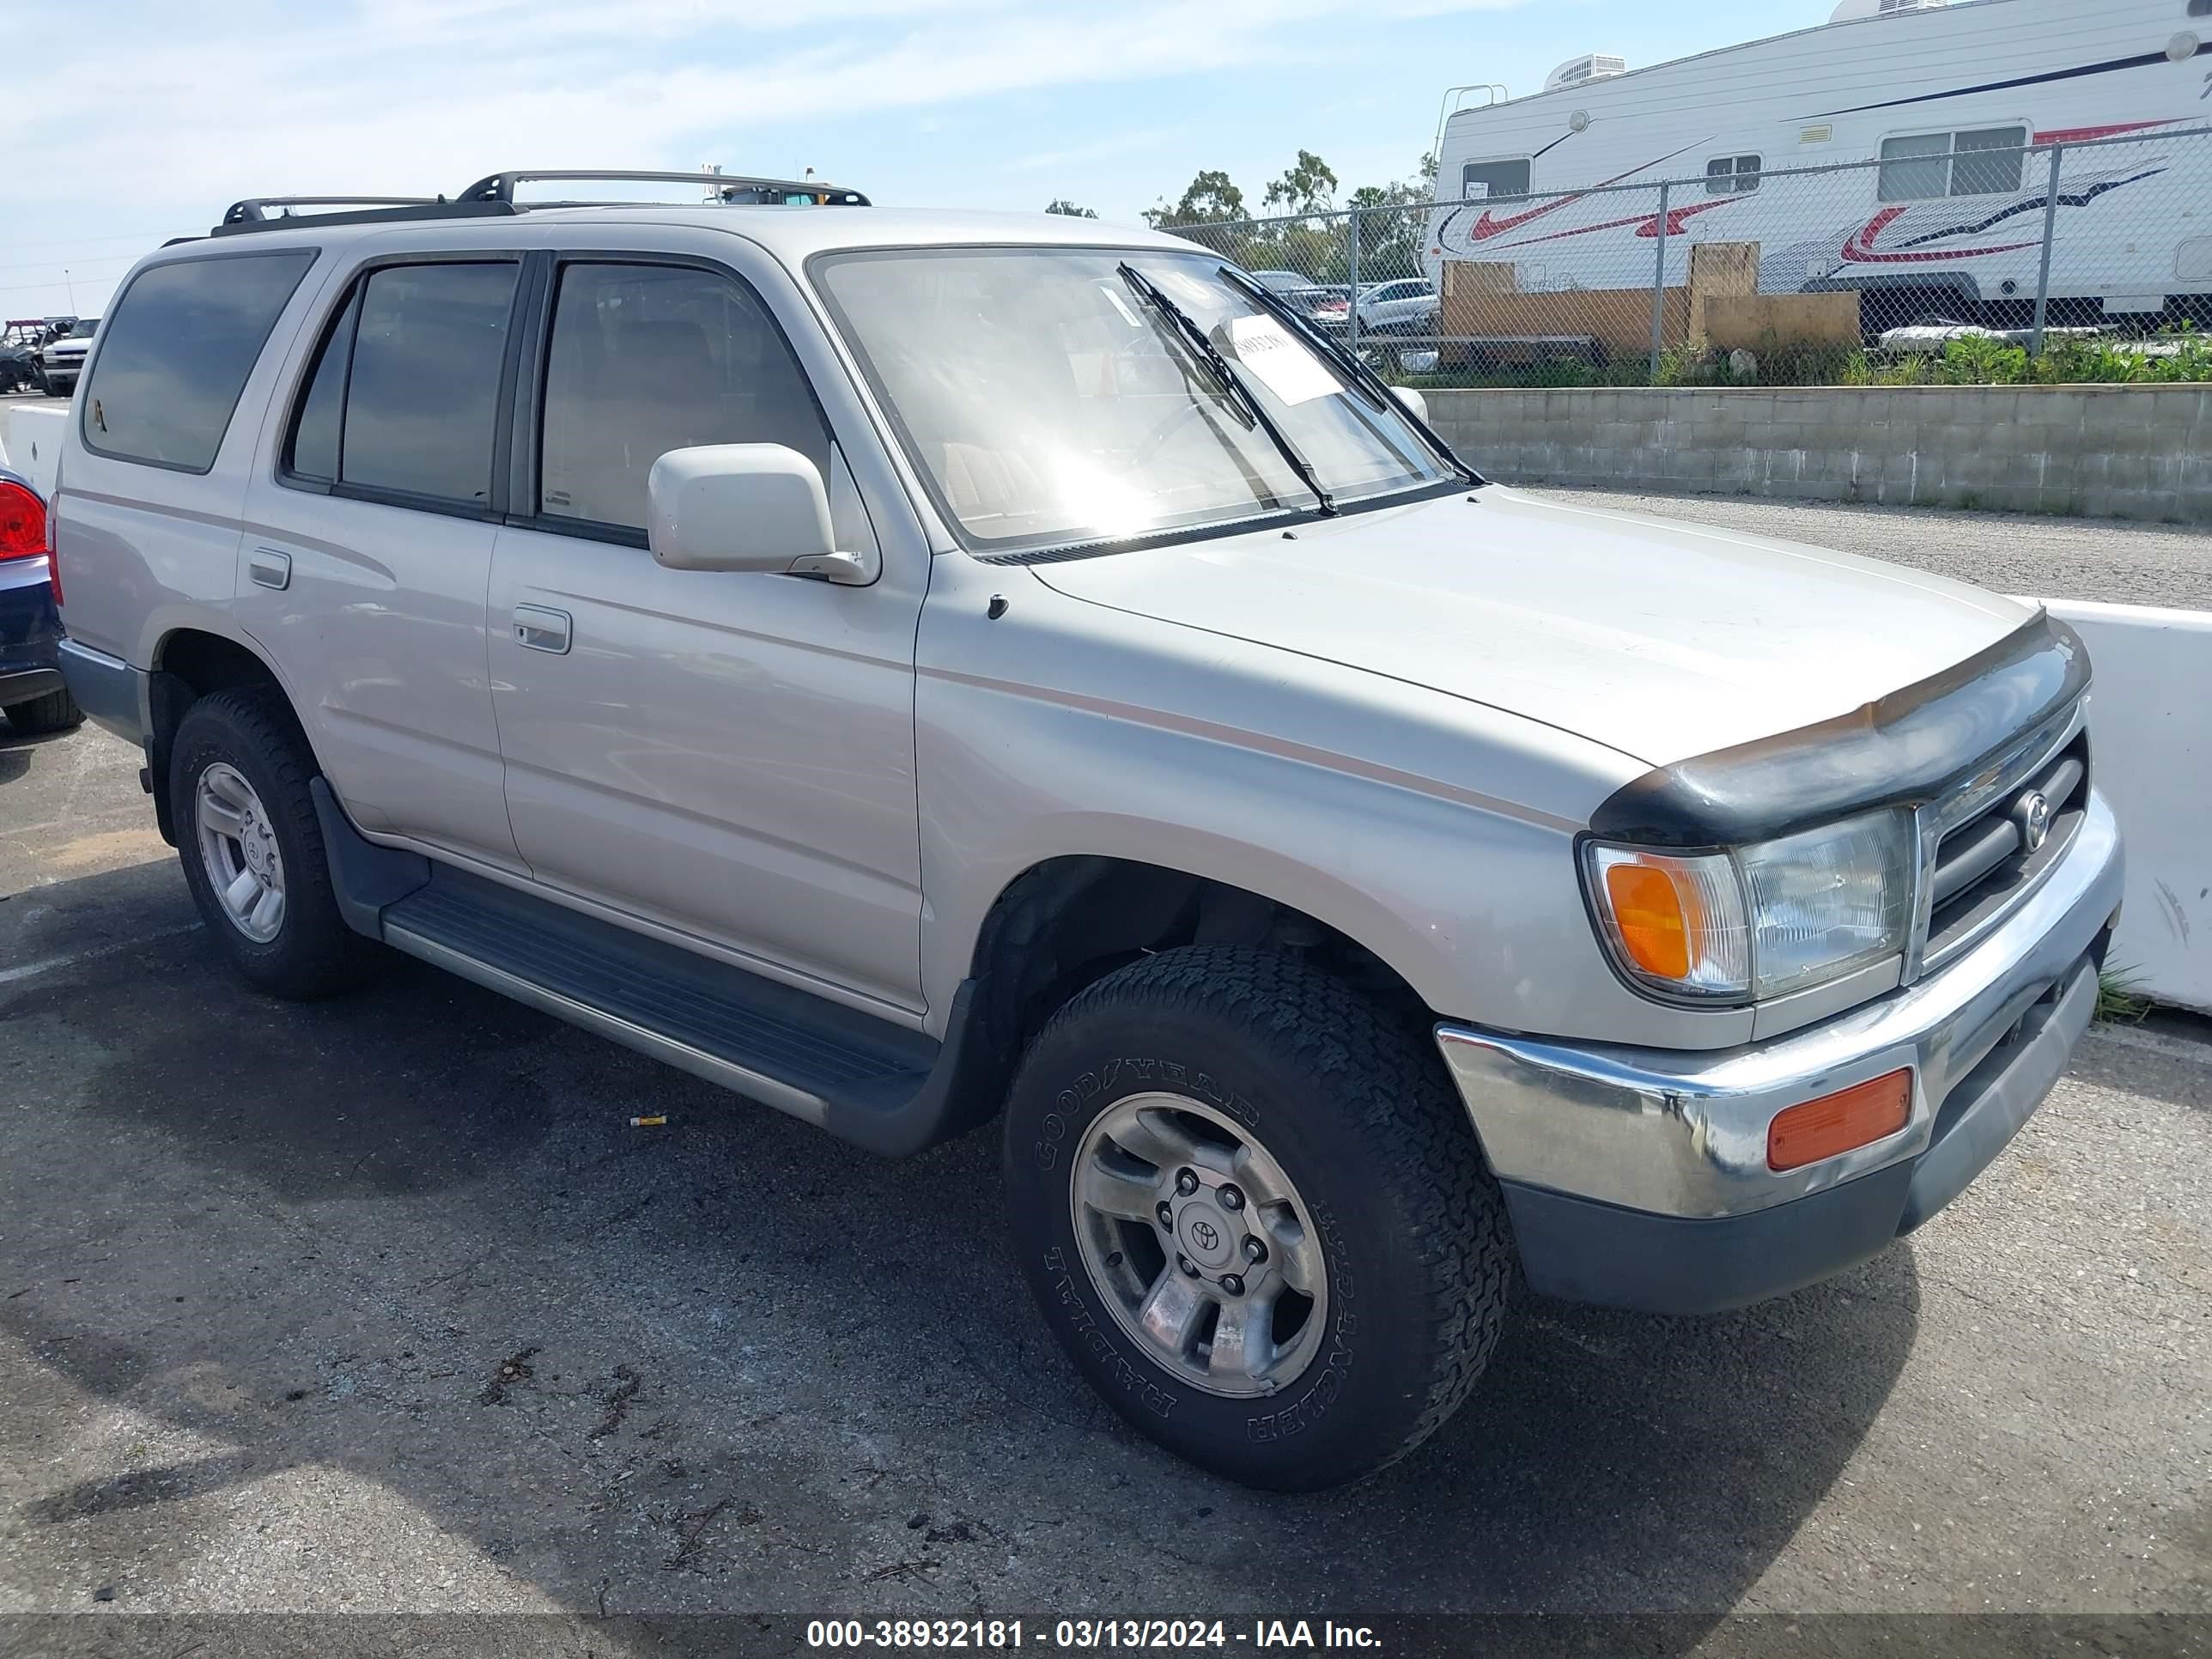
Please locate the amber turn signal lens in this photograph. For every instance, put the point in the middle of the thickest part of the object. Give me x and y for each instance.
(1853, 1117)
(1649, 911)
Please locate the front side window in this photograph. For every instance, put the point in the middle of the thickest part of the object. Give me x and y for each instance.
(1046, 403)
(176, 356)
(645, 359)
(1731, 175)
(1983, 161)
(1494, 181)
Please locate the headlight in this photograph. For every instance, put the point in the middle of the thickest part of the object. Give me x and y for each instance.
(1756, 921)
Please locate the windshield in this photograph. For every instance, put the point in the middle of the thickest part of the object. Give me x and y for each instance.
(83, 331)
(1047, 402)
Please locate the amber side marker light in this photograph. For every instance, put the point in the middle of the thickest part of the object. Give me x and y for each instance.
(1849, 1118)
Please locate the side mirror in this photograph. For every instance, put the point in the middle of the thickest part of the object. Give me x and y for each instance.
(746, 507)
(1412, 400)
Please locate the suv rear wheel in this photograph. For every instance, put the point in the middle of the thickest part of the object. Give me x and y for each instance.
(1254, 1215)
(253, 848)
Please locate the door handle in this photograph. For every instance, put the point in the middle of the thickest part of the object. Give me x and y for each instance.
(541, 627)
(269, 568)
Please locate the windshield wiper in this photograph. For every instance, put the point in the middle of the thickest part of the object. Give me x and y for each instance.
(1226, 373)
(1371, 386)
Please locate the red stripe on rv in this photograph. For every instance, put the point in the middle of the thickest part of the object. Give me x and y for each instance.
(2083, 135)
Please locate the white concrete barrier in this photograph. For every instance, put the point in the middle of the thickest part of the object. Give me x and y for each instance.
(31, 435)
(2150, 725)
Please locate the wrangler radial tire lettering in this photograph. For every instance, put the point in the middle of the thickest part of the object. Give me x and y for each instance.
(1368, 1189)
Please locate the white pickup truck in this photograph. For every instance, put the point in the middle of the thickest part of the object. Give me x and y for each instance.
(61, 360)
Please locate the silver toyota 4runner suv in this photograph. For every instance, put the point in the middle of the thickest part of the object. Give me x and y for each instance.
(914, 669)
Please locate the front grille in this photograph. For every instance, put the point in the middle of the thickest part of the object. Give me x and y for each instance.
(1983, 866)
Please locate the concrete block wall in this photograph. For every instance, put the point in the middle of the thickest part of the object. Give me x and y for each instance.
(2120, 452)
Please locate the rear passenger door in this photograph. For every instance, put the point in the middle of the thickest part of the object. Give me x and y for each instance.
(368, 545)
(729, 755)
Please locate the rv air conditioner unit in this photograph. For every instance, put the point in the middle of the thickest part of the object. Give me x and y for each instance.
(1597, 66)
(1851, 10)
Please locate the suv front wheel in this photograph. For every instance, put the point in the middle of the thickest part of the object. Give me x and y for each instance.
(253, 848)
(1254, 1215)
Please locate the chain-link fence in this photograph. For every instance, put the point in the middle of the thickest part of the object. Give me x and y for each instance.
(1967, 255)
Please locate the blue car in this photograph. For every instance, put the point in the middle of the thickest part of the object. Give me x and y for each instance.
(31, 689)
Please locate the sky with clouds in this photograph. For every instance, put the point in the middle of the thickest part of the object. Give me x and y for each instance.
(153, 114)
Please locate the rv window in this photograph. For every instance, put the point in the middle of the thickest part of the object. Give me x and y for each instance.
(1727, 175)
(1494, 181)
(1988, 161)
(2199, 7)
(1982, 162)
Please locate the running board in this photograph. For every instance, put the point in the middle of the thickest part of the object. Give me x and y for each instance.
(883, 1086)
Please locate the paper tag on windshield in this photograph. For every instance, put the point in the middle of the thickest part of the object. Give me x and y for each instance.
(1279, 363)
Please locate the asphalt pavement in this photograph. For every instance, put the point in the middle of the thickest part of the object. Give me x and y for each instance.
(382, 1303)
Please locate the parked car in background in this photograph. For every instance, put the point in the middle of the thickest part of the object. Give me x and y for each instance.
(61, 359)
(20, 340)
(1407, 306)
(1328, 304)
(32, 692)
(1283, 282)
(919, 669)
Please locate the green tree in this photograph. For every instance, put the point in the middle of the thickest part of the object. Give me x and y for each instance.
(1306, 186)
(1209, 198)
(1061, 204)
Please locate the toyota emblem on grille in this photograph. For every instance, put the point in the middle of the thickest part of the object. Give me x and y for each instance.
(2034, 813)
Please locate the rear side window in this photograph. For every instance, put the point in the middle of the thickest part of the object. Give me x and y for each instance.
(404, 396)
(175, 353)
(645, 359)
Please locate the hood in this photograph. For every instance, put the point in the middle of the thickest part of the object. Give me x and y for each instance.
(1661, 640)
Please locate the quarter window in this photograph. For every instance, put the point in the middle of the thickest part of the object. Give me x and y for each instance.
(645, 359)
(1982, 161)
(175, 354)
(1729, 175)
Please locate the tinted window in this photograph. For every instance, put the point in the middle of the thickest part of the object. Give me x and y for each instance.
(176, 355)
(423, 401)
(314, 449)
(1495, 181)
(1731, 174)
(649, 358)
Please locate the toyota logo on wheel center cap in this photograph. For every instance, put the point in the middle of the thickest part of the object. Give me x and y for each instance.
(1206, 1236)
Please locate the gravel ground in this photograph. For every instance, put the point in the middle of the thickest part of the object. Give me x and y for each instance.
(2012, 552)
(382, 1304)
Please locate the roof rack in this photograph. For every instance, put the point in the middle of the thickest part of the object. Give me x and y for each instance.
(254, 213)
(493, 196)
(731, 187)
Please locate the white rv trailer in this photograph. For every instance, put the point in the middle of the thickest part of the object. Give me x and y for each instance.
(1951, 99)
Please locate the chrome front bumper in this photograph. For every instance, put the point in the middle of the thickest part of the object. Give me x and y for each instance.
(1681, 1136)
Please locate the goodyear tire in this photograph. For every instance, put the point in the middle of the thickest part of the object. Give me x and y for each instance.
(1253, 1213)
